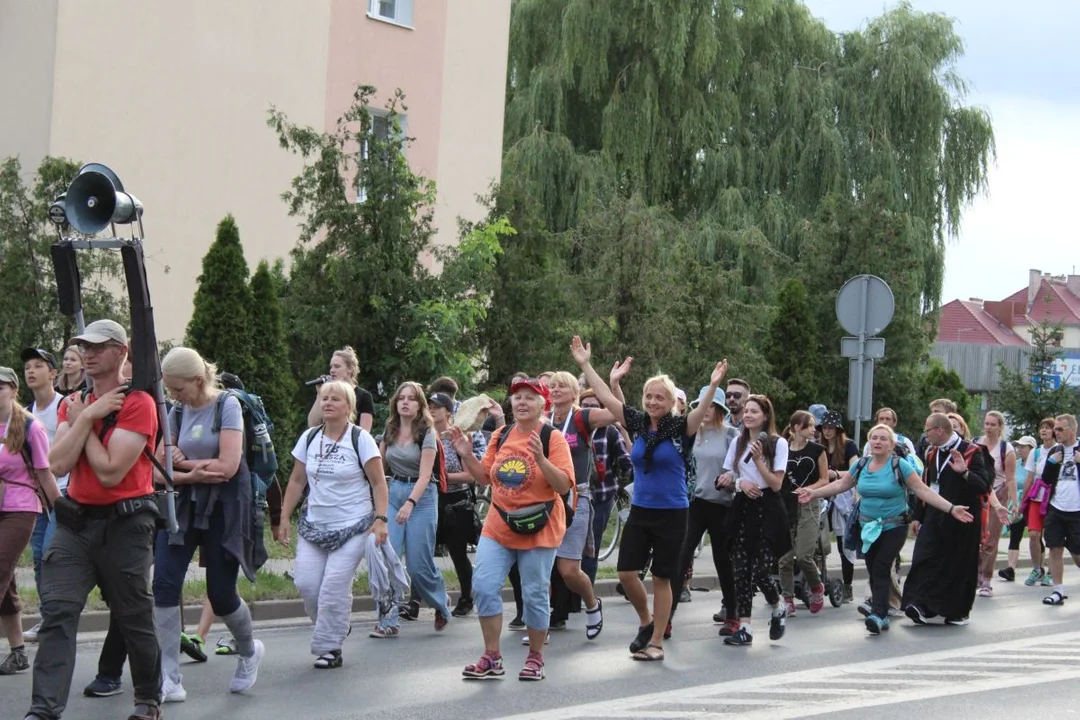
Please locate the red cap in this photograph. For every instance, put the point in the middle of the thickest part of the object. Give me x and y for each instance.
(536, 386)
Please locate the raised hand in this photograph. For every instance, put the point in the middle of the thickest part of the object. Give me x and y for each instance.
(462, 445)
(108, 403)
(620, 370)
(581, 353)
(718, 373)
(956, 462)
(536, 445)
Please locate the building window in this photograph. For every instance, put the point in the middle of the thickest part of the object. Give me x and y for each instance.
(399, 12)
(381, 130)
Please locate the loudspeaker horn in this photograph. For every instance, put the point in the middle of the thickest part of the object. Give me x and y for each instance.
(96, 198)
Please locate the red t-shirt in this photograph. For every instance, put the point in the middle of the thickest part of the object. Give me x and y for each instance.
(138, 415)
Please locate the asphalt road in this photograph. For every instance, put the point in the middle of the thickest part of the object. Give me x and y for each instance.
(1015, 658)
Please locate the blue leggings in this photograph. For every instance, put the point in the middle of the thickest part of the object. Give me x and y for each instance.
(171, 564)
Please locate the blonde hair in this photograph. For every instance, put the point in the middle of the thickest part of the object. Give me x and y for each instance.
(349, 391)
(997, 416)
(884, 428)
(15, 437)
(352, 362)
(568, 381)
(964, 431)
(668, 385)
(182, 362)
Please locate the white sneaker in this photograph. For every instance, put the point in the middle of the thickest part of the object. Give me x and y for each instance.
(247, 670)
(30, 635)
(172, 692)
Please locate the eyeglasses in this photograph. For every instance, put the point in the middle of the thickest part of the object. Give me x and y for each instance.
(733, 395)
(96, 347)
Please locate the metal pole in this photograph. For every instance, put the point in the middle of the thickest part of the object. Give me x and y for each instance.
(864, 285)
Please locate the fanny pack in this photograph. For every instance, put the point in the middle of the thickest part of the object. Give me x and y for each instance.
(527, 520)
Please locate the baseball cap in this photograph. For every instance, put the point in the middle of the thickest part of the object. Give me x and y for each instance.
(535, 385)
(442, 400)
(102, 331)
(9, 376)
(1027, 440)
(38, 354)
(717, 400)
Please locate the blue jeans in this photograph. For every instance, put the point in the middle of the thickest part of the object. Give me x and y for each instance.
(601, 513)
(39, 541)
(222, 569)
(493, 562)
(415, 542)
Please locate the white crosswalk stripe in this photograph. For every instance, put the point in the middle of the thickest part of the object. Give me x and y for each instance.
(971, 669)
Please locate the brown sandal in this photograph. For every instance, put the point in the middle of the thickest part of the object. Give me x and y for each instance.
(651, 653)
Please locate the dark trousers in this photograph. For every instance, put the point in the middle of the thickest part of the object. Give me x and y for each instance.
(116, 554)
(707, 517)
(601, 513)
(455, 534)
(879, 564)
(222, 569)
(15, 531)
(113, 653)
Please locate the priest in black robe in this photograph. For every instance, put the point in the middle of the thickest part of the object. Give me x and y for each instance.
(945, 565)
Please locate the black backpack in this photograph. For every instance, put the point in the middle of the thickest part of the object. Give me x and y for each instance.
(570, 498)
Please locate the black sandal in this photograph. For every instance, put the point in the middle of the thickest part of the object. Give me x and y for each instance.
(1054, 598)
(644, 635)
(648, 655)
(328, 661)
(592, 631)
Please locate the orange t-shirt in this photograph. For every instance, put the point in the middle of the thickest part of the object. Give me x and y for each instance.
(517, 482)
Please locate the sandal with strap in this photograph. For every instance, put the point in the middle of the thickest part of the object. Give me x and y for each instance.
(488, 666)
(641, 640)
(329, 660)
(592, 629)
(1054, 598)
(651, 653)
(534, 667)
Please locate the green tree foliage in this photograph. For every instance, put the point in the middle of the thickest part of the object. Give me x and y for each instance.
(792, 349)
(1028, 397)
(31, 316)
(270, 377)
(358, 275)
(220, 327)
(939, 382)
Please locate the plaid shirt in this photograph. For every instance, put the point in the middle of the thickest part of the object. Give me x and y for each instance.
(610, 448)
(453, 461)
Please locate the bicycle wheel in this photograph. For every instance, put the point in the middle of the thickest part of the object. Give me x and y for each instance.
(612, 534)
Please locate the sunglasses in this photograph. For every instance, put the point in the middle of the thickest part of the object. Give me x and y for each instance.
(733, 395)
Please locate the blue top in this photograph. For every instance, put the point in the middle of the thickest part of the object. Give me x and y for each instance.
(1021, 477)
(882, 496)
(663, 487)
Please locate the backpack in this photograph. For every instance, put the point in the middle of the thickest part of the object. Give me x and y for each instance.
(570, 498)
(259, 451)
(439, 471)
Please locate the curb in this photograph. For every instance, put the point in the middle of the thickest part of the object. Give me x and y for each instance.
(276, 610)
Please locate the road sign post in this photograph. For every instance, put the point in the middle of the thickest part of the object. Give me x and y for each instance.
(864, 307)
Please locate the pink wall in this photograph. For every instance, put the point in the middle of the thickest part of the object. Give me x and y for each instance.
(373, 52)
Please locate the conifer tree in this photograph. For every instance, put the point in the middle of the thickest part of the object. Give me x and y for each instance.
(270, 377)
(793, 351)
(220, 325)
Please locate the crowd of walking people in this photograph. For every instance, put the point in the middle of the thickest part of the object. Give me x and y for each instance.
(81, 469)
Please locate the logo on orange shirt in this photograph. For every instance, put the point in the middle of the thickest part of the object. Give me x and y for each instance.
(513, 474)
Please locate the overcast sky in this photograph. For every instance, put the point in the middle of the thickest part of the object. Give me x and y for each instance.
(1021, 59)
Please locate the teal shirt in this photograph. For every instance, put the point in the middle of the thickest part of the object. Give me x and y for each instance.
(883, 497)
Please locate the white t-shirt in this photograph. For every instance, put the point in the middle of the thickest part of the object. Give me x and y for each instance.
(338, 491)
(47, 417)
(748, 470)
(1067, 492)
(1037, 461)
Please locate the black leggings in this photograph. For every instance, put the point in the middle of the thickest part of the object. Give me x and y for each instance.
(1016, 532)
(847, 568)
(706, 516)
(879, 564)
(753, 559)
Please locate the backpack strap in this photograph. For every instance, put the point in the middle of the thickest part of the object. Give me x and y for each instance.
(859, 467)
(545, 437)
(897, 471)
(309, 436)
(221, 398)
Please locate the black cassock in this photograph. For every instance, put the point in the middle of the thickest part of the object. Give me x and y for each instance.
(945, 565)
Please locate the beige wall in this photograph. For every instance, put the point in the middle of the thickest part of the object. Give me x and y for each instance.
(27, 50)
(174, 97)
(474, 93)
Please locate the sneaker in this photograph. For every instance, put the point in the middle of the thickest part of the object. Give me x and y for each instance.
(957, 621)
(410, 611)
(384, 632)
(534, 667)
(685, 597)
(1007, 574)
(193, 646)
(226, 645)
(488, 666)
(1047, 579)
(247, 670)
(849, 595)
(893, 612)
(776, 623)
(790, 607)
(916, 614)
(30, 635)
(557, 625)
(817, 599)
(103, 686)
(874, 624)
(463, 608)
(172, 692)
(730, 627)
(15, 662)
(865, 609)
(525, 638)
(517, 623)
(740, 637)
(719, 617)
(441, 621)
(986, 591)
(1034, 576)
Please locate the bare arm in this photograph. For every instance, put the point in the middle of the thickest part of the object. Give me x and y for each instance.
(823, 472)
(314, 416)
(68, 445)
(843, 483)
(427, 464)
(463, 447)
(112, 463)
(366, 420)
(582, 354)
(47, 482)
(694, 418)
(555, 477)
(931, 498)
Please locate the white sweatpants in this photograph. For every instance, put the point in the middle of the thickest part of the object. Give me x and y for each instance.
(325, 579)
